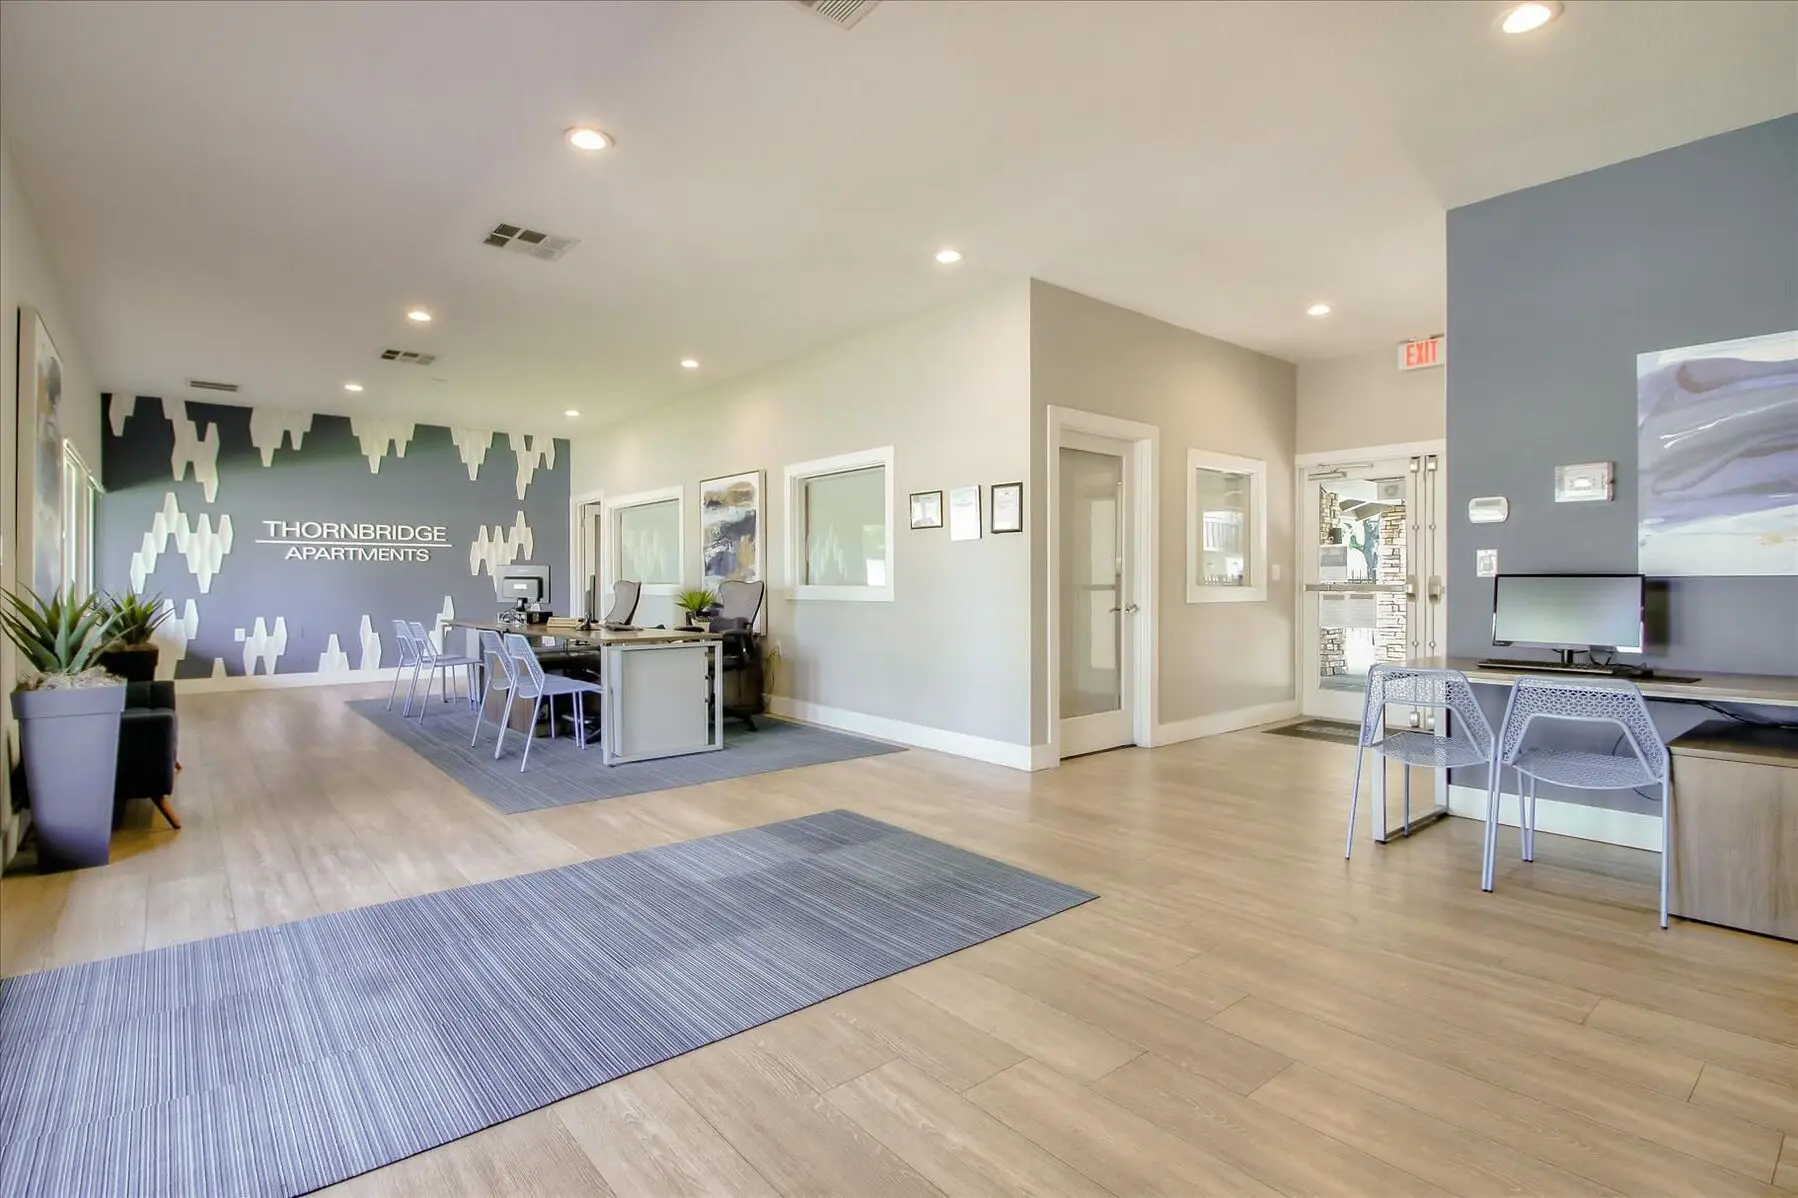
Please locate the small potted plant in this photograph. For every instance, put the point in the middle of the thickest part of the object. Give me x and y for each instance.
(68, 711)
(696, 603)
(132, 655)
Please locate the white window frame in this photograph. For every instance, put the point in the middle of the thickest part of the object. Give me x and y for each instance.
(1254, 536)
(796, 477)
(609, 533)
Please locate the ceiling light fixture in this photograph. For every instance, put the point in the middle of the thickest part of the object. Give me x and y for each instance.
(419, 316)
(1526, 17)
(352, 386)
(585, 138)
(571, 413)
(689, 363)
(1319, 309)
(948, 257)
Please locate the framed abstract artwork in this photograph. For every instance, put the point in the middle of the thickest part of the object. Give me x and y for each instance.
(730, 528)
(1717, 458)
(40, 454)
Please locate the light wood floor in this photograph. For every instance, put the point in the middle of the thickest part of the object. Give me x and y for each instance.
(1241, 1013)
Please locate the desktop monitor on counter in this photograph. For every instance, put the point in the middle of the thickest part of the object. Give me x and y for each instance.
(529, 583)
(1568, 612)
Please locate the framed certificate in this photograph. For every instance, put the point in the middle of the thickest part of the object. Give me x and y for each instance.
(1008, 507)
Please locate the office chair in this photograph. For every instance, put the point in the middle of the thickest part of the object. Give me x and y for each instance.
(1469, 739)
(624, 601)
(1598, 701)
(740, 654)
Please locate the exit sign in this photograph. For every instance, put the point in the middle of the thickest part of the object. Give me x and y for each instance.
(1420, 355)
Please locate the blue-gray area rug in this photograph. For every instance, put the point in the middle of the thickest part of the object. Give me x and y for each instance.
(280, 1060)
(561, 773)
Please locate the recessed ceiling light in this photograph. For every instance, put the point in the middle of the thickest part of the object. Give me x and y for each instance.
(419, 316)
(689, 363)
(571, 412)
(948, 257)
(352, 386)
(583, 138)
(1533, 15)
(1318, 310)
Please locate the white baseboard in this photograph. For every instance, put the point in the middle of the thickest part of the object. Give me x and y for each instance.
(1225, 721)
(1632, 829)
(264, 682)
(960, 744)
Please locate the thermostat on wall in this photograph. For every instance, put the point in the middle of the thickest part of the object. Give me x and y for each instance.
(1588, 482)
(1488, 509)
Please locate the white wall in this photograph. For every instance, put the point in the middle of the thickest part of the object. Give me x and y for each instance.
(1365, 399)
(1214, 658)
(950, 391)
(25, 278)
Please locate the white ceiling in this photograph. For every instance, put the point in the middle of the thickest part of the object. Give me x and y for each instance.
(257, 192)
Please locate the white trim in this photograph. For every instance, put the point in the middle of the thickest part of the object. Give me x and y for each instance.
(577, 549)
(1225, 721)
(1631, 829)
(1403, 449)
(1256, 469)
(1144, 586)
(960, 744)
(275, 682)
(795, 477)
(609, 534)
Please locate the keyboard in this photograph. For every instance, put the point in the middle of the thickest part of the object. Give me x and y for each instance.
(1502, 665)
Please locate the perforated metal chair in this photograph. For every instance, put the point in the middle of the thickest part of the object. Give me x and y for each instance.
(402, 639)
(1607, 701)
(500, 676)
(438, 665)
(530, 682)
(1468, 742)
(625, 594)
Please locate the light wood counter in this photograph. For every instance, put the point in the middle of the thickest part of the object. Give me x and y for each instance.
(1773, 690)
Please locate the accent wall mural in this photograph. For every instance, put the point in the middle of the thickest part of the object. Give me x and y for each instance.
(1718, 458)
(730, 528)
(287, 542)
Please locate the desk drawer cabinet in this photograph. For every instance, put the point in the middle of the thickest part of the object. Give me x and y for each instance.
(1735, 828)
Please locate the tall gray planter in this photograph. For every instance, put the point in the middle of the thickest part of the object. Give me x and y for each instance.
(70, 742)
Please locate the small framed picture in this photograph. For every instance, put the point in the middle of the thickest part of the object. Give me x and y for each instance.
(927, 509)
(1008, 507)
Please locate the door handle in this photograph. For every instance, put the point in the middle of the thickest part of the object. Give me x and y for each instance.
(1435, 588)
(1130, 609)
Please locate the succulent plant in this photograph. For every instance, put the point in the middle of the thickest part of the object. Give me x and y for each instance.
(59, 636)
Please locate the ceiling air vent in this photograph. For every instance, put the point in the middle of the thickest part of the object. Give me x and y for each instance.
(203, 385)
(521, 240)
(839, 12)
(408, 356)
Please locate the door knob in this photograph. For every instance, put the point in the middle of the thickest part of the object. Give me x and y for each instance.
(1130, 608)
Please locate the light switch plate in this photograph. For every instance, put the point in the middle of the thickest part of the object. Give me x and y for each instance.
(1274, 571)
(1485, 563)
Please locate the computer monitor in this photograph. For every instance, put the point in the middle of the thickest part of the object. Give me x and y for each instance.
(529, 583)
(1568, 611)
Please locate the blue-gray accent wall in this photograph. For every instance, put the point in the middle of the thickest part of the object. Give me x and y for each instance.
(344, 471)
(1552, 292)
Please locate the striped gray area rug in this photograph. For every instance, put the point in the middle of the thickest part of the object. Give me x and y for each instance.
(280, 1060)
(561, 773)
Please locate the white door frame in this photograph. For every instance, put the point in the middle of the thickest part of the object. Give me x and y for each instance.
(578, 565)
(1145, 574)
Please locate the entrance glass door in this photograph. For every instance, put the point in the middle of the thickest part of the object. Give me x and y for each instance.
(1373, 583)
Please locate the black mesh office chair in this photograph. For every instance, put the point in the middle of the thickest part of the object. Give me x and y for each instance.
(740, 655)
(624, 601)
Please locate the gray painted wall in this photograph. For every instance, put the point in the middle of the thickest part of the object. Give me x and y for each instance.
(343, 470)
(1552, 292)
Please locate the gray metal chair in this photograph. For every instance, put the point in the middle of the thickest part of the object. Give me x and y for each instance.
(500, 676)
(530, 682)
(1468, 742)
(1608, 701)
(437, 665)
(402, 639)
(625, 594)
